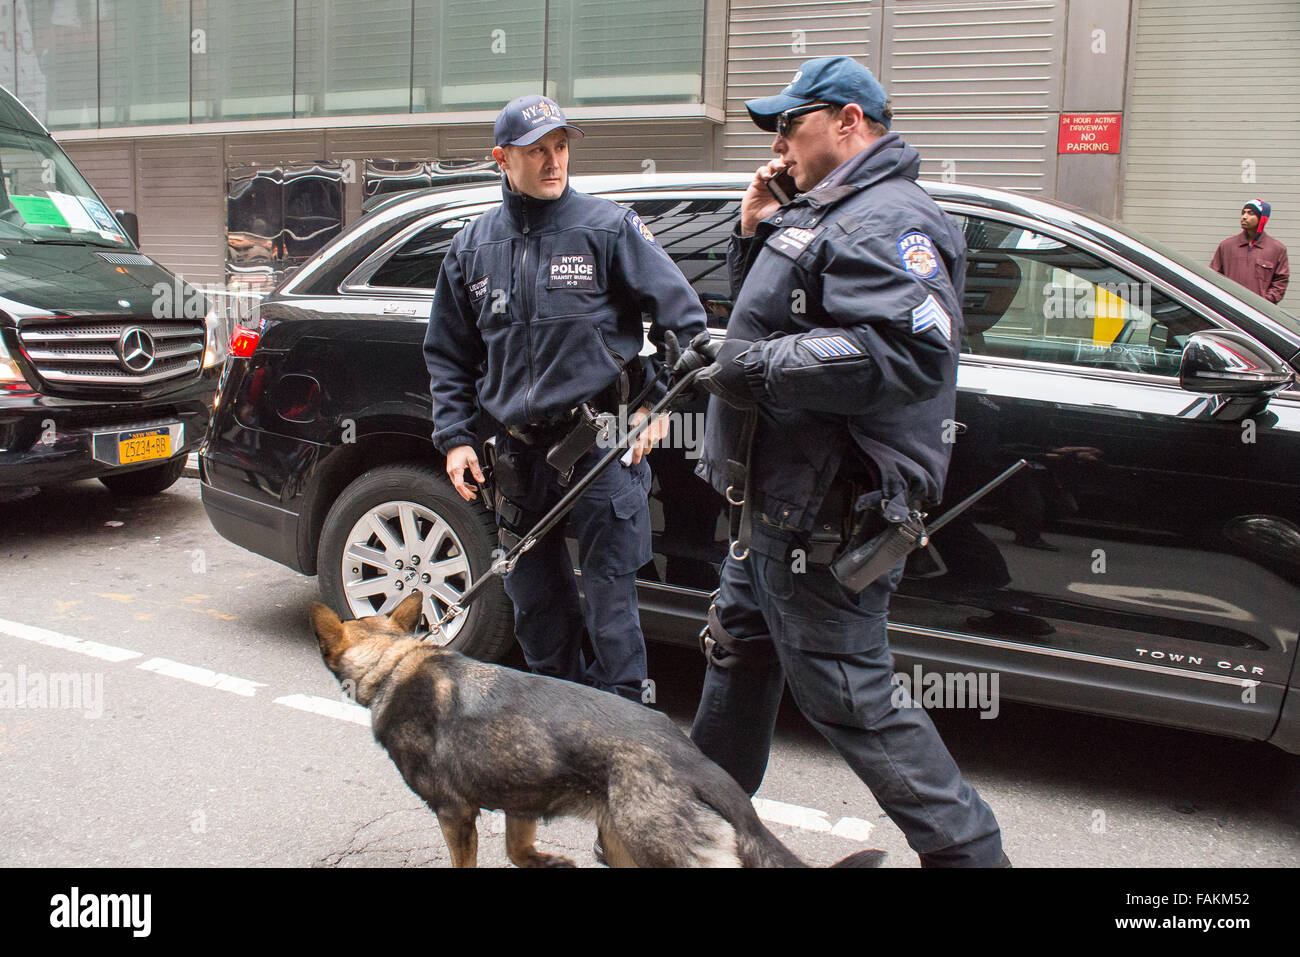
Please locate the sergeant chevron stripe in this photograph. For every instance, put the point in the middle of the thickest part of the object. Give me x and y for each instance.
(827, 348)
(930, 314)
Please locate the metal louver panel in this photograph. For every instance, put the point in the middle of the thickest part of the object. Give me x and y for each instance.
(971, 54)
(108, 167)
(1211, 122)
(766, 43)
(1003, 150)
(975, 87)
(274, 149)
(182, 206)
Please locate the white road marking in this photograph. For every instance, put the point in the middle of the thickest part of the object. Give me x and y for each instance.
(774, 812)
(853, 829)
(66, 642)
(202, 676)
(329, 707)
(810, 819)
(778, 812)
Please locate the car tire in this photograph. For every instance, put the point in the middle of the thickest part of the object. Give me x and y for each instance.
(148, 481)
(409, 514)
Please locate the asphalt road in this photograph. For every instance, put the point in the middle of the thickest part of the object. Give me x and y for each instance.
(189, 744)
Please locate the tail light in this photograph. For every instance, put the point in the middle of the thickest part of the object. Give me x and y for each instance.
(243, 342)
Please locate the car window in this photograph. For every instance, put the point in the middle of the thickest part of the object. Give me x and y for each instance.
(1032, 296)
(694, 232)
(416, 262)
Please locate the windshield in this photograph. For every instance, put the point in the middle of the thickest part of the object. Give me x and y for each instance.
(44, 199)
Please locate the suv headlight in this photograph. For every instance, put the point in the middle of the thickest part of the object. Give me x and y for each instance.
(215, 352)
(9, 373)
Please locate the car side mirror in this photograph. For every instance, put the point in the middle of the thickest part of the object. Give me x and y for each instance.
(130, 224)
(1231, 363)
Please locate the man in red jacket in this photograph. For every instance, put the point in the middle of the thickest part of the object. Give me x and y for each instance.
(1256, 261)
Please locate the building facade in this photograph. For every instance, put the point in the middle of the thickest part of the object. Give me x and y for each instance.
(245, 133)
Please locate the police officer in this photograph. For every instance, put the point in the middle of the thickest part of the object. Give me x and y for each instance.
(844, 341)
(536, 326)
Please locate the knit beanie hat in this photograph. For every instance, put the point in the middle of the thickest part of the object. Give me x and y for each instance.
(1262, 210)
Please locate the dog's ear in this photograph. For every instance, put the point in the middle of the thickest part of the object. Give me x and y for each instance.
(407, 615)
(328, 628)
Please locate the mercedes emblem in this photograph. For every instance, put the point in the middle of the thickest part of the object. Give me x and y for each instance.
(135, 349)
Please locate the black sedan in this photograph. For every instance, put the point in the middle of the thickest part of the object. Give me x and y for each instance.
(1146, 565)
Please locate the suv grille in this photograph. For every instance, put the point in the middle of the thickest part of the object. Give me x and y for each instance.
(93, 353)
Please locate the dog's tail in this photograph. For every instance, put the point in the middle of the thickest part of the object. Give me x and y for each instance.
(868, 858)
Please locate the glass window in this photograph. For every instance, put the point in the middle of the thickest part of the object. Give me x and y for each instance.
(695, 233)
(625, 51)
(353, 57)
(1031, 296)
(416, 264)
(476, 54)
(242, 59)
(52, 61)
(144, 62)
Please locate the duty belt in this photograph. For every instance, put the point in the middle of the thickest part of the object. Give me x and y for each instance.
(544, 433)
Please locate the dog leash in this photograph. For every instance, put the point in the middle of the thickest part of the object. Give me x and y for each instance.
(505, 564)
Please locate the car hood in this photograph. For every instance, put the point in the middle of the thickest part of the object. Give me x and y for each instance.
(78, 279)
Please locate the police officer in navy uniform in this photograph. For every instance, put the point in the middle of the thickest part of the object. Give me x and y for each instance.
(538, 313)
(844, 340)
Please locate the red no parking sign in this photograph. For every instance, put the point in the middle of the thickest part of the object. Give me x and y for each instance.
(1089, 133)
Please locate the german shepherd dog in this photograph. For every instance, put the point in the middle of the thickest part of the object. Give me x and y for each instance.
(468, 735)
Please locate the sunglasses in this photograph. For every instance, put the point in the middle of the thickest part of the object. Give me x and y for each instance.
(785, 120)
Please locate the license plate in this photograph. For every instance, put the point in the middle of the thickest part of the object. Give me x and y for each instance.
(144, 445)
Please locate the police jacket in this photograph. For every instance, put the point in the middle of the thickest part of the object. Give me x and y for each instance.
(852, 293)
(538, 308)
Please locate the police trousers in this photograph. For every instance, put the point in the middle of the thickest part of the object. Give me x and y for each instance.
(611, 524)
(804, 628)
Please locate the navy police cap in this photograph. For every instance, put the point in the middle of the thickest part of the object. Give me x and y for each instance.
(829, 79)
(527, 119)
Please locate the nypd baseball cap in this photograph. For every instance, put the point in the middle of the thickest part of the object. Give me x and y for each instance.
(829, 79)
(527, 119)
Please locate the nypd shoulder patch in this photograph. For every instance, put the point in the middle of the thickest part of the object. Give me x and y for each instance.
(930, 315)
(644, 230)
(831, 348)
(916, 250)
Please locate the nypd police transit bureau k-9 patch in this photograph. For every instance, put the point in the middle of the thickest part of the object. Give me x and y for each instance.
(918, 255)
(577, 271)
